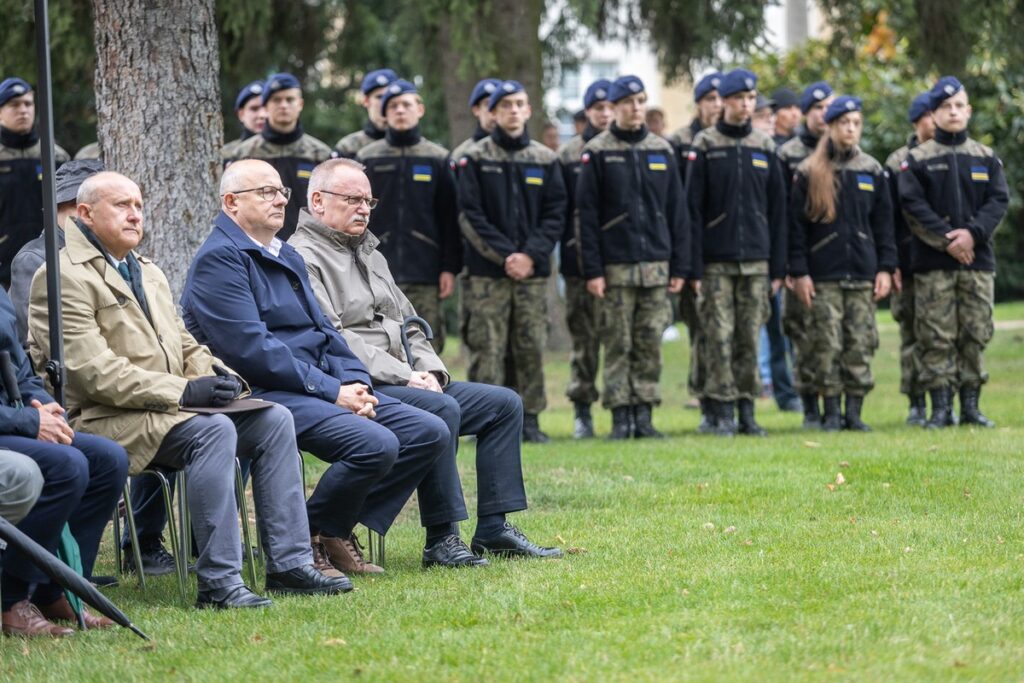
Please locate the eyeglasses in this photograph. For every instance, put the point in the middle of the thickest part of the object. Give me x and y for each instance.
(267, 193)
(355, 199)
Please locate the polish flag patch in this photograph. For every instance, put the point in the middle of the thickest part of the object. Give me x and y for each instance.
(904, 165)
(463, 161)
(585, 159)
(691, 155)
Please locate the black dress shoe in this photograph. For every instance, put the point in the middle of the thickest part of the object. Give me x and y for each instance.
(156, 561)
(451, 551)
(233, 597)
(512, 542)
(307, 580)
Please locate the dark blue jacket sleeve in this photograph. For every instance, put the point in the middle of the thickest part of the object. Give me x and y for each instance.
(227, 311)
(882, 226)
(695, 169)
(777, 217)
(588, 201)
(677, 214)
(997, 196)
(798, 227)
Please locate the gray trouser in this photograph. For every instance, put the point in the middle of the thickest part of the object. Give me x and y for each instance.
(205, 446)
(20, 485)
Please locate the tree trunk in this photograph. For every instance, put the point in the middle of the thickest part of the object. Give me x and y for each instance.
(158, 114)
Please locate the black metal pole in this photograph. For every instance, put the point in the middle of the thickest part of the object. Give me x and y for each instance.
(44, 105)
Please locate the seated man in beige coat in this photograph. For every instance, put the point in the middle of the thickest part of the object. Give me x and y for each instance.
(135, 375)
(356, 291)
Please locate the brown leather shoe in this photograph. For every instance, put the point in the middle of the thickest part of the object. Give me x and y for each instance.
(24, 619)
(61, 611)
(320, 561)
(347, 555)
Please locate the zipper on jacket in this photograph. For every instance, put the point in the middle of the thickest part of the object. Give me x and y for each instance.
(399, 251)
(739, 204)
(957, 202)
(640, 198)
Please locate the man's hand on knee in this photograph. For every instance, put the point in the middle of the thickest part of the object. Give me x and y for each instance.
(53, 428)
(357, 398)
(424, 380)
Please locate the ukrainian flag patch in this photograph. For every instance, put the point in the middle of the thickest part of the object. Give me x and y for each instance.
(657, 162)
(534, 176)
(758, 160)
(304, 171)
(422, 174)
(39, 172)
(979, 174)
(865, 182)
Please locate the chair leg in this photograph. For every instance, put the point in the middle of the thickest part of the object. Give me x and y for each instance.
(180, 560)
(243, 508)
(133, 537)
(184, 529)
(119, 567)
(375, 547)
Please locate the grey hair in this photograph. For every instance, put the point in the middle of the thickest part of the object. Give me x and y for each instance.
(90, 190)
(325, 171)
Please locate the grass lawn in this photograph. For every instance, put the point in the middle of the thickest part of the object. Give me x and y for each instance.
(695, 558)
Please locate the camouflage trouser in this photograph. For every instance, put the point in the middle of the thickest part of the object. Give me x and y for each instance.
(632, 322)
(845, 338)
(690, 316)
(953, 325)
(500, 315)
(796, 322)
(902, 306)
(732, 310)
(583, 319)
(428, 306)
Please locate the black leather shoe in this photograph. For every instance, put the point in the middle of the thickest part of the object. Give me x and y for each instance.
(512, 542)
(234, 597)
(307, 580)
(156, 561)
(451, 551)
(531, 430)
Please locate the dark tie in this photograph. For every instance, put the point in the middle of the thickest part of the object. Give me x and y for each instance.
(122, 268)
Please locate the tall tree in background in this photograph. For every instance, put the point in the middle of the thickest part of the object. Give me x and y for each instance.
(159, 117)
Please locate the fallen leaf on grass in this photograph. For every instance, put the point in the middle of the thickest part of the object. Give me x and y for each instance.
(749, 541)
(626, 477)
(257, 638)
(558, 537)
(729, 530)
(335, 641)
(686, 592)
(886, 485)
(967, 493)
(812, 444)
(576, 551)
(958, 664)
(908, 549)
(840, 479)
(844, 465)
(933, 447)
(709, 526)
(830, 487)
(999, 540)
(874, 533)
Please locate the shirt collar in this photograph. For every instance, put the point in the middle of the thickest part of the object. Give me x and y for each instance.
(274, 247)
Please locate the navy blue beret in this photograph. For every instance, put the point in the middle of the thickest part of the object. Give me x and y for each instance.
(483, 89)
(394, 89)
(737, 81)
(377, 79)
(842, 105)
(506, 88)
(784, 97)
(944, 88)
(597, 92)
(814, 93)
(13, 87)
(706, 85)
(624, 86)
(254, 89)
(277, 83)
(921, 105)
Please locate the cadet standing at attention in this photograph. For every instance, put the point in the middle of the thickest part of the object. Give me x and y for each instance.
(416, 221)
(372, 88)
(953, 193)
(841, 256)
(513, 203)
(632, 215)
(709, 109)
(737, 207)
(795, 317)
(479, 104)
(21, 172)
(251, 113)
(902, 302)
(284, 145)
(581, 309)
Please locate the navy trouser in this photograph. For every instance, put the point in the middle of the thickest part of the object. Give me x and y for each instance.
(782, 378)
(495, 415)
(82, 484)
(376, 464)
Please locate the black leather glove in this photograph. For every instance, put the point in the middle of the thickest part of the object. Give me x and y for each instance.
(209, 392)
(221, 371)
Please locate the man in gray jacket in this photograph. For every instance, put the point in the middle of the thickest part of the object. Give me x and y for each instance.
(357, 292)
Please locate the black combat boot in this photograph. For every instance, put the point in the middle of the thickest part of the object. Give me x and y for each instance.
(531, 430)
(918, 414)
(970, 413)
(941, 399)
(832, 421)
(747, 424)
(725, 425)
(853, 408)
(642, 427)
(707, 416)
(622, 423)
(812, 416)
(583, 425)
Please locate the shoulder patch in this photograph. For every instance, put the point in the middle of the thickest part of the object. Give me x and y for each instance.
(865, 182)
(979, 174)
(585, 159)
(759, 160)
(657, 162)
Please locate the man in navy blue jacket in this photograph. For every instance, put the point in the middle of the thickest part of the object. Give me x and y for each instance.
(248, 298)
(83, 476)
